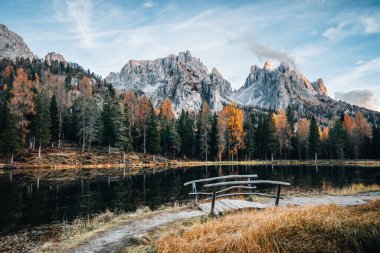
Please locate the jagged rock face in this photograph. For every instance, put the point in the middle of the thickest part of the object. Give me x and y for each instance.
(12, 46)
(54, 57)
(277, 88)
(320, 87)
(183, 79)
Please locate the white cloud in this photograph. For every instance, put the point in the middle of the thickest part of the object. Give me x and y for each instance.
(79, 15)
(349, 24)
(337, 33)
(371, 24)
(148, 4)
(354, 74)
(264, 52)
(364, 98)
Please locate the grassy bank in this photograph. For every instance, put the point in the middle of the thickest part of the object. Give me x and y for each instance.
(287, 229)
(61, 158)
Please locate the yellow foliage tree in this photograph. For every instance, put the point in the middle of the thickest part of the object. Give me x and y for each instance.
(283, 131)
(235, 128)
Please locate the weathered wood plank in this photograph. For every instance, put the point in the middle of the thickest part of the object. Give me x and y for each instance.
(226, 205)
(247, 182)
(220, 178)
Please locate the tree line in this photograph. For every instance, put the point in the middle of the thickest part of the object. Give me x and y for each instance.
(31, 117)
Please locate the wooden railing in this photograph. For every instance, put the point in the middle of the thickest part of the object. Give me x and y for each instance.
(247, 184)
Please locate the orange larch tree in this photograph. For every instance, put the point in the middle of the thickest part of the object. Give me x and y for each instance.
(142, 115)
(283, 131)
(166, 110)
(361, 132)
(23, 99)
(236, 131)
(302, 133)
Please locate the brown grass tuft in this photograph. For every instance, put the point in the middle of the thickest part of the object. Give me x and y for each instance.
(326, 228)
(353, 189)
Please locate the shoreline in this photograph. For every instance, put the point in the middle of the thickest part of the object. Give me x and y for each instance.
(176, 164)
(122, 231)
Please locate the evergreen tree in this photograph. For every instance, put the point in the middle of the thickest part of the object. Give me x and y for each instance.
(214, 145)
(174, 139)
(185, 129)
(376, 141)
(290, 117)
(249, 139)
(11, 141)
(123, 134)
(203, 130)
(55, 130)
(87, 120)
(153, 139)
(314, 138)
(42, 121)
(269, 134)
(337, 139)
(113, 121)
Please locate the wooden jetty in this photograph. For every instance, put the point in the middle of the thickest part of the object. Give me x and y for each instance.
(222, 187)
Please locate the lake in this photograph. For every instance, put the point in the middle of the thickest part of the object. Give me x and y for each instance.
(66, 195)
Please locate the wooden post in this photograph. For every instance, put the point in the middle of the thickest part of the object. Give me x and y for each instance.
(212, 213)
(194, 189)
(278, 194)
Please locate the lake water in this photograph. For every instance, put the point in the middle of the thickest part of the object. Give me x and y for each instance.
(65, 195)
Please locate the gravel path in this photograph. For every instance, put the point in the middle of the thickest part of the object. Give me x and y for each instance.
(118, 238)
(115, 240)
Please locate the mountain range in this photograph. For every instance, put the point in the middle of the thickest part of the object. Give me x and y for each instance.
(187, 82)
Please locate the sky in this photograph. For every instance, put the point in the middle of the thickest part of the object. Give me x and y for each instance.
(336, 40)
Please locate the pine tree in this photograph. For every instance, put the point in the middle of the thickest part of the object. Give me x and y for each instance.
(214, 137)
(376, 141)
(42, 120)
(185, 129)
(55, 130)
(250, 137)
(314, 138)
(337, 139)
(269, 131)
(11, 141)
(113, 121)
(203, 130)
(123, 138)
(174, 139)
(87, 120)
(290, 117)
(153, 139)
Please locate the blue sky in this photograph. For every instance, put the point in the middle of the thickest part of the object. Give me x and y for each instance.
(338, 41)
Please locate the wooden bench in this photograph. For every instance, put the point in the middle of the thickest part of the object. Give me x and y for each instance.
(222, 187)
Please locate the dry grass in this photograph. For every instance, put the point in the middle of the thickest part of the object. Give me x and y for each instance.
(352, 189)
(326, 228)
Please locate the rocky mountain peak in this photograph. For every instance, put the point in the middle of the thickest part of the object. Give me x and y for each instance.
(12, 45)
(182, 78)
(268, 66)
(277, 87)
(53, 56)
(319, 87)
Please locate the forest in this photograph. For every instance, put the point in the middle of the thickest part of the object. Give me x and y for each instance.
(41, 107)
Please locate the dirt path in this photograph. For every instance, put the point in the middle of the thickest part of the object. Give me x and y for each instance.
(118, 238)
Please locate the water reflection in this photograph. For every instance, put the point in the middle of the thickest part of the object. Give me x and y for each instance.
(63, 195)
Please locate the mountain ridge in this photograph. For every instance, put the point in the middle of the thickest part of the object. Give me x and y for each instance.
(187, 82)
